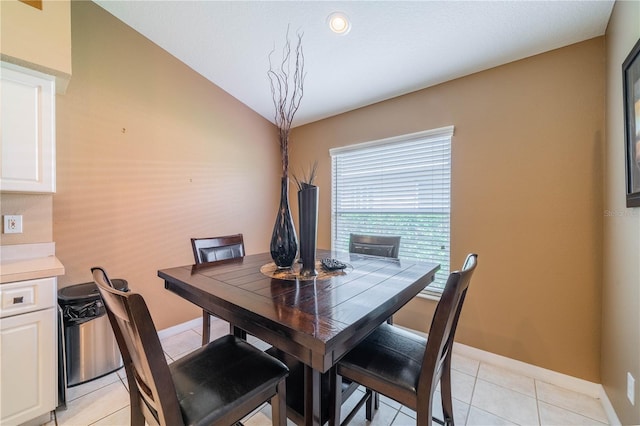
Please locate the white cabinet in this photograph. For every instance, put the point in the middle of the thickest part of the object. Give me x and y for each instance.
(28, 130)
(28, 350)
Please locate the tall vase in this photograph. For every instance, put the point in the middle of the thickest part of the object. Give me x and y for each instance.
(284, 243)
(308, 211)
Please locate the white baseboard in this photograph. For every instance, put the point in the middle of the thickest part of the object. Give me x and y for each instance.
(608, 408)
(179, 328)
(549, 376)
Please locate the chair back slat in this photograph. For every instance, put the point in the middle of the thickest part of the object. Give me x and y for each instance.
(213, 249)
(443, 326)
(147, 370)
(375, 245)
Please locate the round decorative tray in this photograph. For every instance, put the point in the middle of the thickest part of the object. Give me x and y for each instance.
(293, 273)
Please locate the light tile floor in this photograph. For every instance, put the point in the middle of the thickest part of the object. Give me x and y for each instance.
(483, 395)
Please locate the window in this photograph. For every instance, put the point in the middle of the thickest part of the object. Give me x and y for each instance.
(396, 186)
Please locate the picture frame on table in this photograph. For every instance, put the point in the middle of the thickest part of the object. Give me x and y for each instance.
(631, 97)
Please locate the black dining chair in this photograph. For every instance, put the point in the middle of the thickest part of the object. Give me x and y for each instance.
(405, 366)
(375, 245)
(211, 250)
(217, 384)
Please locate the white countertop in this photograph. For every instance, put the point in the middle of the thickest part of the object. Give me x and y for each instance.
(28, 262)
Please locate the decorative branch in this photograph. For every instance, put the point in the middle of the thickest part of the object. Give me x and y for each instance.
(306, 181)
(286, 93)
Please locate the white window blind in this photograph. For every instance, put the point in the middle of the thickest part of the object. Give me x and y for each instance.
(396, 186)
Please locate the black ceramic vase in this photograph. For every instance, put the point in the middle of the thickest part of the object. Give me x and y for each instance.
(284, 243)
(308, 211)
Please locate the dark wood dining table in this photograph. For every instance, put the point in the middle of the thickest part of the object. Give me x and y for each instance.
(315, 321)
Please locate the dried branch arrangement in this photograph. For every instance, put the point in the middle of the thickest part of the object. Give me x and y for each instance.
(306, 181)
(287, 81)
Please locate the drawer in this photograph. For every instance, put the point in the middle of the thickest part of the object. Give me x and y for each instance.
(27, 296)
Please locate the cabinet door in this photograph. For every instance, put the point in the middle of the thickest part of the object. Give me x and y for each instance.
(28, 130)
(28, 370)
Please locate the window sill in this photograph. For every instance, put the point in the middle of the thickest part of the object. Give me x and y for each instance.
(430, 295)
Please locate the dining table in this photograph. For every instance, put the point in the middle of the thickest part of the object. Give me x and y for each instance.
(313, 320)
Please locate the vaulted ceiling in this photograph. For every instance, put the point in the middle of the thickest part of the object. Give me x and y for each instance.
(393, 47)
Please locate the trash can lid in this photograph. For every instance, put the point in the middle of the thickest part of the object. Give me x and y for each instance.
(86, 292)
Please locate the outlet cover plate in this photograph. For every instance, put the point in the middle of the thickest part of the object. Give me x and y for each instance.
(631, 384)
(12, 224)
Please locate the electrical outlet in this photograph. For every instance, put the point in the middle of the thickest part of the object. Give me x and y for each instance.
(12, 224)
(631, 383)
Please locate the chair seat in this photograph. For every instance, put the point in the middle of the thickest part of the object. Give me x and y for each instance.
(219, 377)
(389, 355)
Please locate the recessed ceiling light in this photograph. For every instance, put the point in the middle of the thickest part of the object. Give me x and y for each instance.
(339, 23)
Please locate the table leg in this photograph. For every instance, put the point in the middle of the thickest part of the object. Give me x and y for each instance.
(312, 393)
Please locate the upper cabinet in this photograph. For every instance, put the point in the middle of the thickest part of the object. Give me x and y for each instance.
(36, 55)
(38, 38)
(28, 130)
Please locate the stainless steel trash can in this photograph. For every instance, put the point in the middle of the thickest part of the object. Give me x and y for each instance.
(90, 348)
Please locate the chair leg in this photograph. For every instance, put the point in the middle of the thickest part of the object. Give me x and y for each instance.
(368, 396)
(335, 398)
(135, 401)
(373, 403)
(206, 327)
(445, 392)
(424, 413)
(279, 405)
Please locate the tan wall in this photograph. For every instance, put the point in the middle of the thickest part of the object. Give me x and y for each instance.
(526, 196)
(621, 283)
(36, 217)
(39, 39)
(151, 154)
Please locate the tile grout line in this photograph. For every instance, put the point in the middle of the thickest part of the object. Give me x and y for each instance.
(473, 392)
(569, 409)
(535, 392)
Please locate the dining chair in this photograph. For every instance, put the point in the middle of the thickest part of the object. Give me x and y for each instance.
(375, 245)
(208, 251)
(217, 384)
(405, 366)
